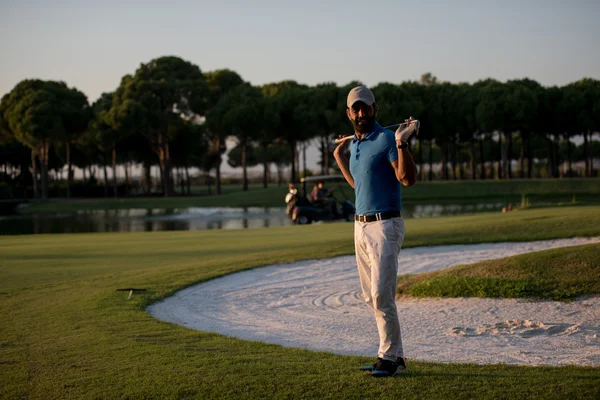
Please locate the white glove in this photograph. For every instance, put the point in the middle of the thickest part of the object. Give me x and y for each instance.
(405, 131)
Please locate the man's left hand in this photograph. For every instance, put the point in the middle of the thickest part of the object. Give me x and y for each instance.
(405, 131)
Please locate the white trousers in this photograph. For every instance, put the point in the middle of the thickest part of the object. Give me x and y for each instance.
(377, 246)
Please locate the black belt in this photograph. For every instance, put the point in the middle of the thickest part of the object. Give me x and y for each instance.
(378, 216)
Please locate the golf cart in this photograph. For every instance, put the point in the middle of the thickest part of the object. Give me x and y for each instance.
(302, 209)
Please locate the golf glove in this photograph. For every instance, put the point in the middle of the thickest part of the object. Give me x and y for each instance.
(405, 131)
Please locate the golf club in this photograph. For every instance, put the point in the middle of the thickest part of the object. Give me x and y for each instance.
(414, 122)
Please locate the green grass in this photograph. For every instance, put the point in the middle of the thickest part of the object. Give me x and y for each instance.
(536, 191)
(67, 332)
(558, 274)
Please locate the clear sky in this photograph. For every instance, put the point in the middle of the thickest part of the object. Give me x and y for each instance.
(91, 44)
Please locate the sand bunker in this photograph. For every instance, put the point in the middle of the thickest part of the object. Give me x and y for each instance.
(316, 304)
(524, 329)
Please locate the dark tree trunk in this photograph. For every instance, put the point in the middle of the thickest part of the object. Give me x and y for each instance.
(265, 166)
(279, 174)
(105, 179)
(293, 169)
(431, 160)
(445, 161)
(219, 151)
(127, 183)
(165, 166)
(529, 158)
(69, 170)
(421, 171)
(24, 176)
(499, 160)
(556, 147)
(304, 170)
(34, 175)
(328, 154)
(551, 172)
(114, 169)
(569, 157)
(244, 166)
(591, 157)
(207, 182)
(588, 172)
(147, 177)
(454, 160)
(181, 180)
(522, 156)
(44, 150)
(491, 147)
(218, 178)
(168, 177)
(297, 160)
(481, 158)
(162, 177)
(473, 161)
(508, 174)
(324, 156)
(187, 180)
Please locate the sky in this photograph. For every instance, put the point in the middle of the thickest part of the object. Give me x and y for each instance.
(91, 45)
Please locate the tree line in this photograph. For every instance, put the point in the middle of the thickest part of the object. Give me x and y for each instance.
(171, 114)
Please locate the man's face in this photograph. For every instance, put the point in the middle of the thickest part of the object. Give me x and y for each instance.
(362, 116)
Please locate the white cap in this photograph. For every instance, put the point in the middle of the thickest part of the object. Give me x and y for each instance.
(360, 93)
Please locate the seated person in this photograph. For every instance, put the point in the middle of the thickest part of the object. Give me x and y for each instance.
(320, 197)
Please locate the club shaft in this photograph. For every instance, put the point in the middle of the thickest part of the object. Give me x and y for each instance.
(340, 140)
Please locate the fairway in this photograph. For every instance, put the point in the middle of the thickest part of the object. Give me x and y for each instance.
(69, 333)
(317, 305)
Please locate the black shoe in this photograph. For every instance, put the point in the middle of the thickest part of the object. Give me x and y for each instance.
(385, 368)
(370, 368)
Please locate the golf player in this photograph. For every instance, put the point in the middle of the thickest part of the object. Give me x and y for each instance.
(379, 162)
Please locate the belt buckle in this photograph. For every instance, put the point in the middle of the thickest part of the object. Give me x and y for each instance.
(378, 217)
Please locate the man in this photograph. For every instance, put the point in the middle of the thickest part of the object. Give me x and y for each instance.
(320, 197)
(379, 163)
(291, 193)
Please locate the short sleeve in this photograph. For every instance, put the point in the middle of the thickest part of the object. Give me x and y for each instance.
(391, 146)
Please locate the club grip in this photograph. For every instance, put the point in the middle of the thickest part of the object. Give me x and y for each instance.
(340, 140)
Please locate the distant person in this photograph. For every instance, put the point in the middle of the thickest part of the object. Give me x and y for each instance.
(320, 193)
(379, 163)
(320, 197)
(291, 193)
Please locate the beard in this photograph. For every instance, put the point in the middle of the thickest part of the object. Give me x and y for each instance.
(363, 125)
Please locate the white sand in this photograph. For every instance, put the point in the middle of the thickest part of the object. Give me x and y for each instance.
(317, 305)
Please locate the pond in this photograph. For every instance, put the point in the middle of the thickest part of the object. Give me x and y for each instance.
(193, 218)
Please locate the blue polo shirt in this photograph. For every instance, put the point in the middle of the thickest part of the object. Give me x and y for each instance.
(375, 184)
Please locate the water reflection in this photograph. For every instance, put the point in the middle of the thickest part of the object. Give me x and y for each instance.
(138, 220)
(194, 218)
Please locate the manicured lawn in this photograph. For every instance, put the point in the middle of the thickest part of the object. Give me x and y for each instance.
(537, 192)
(67, 332)
(557, 274)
